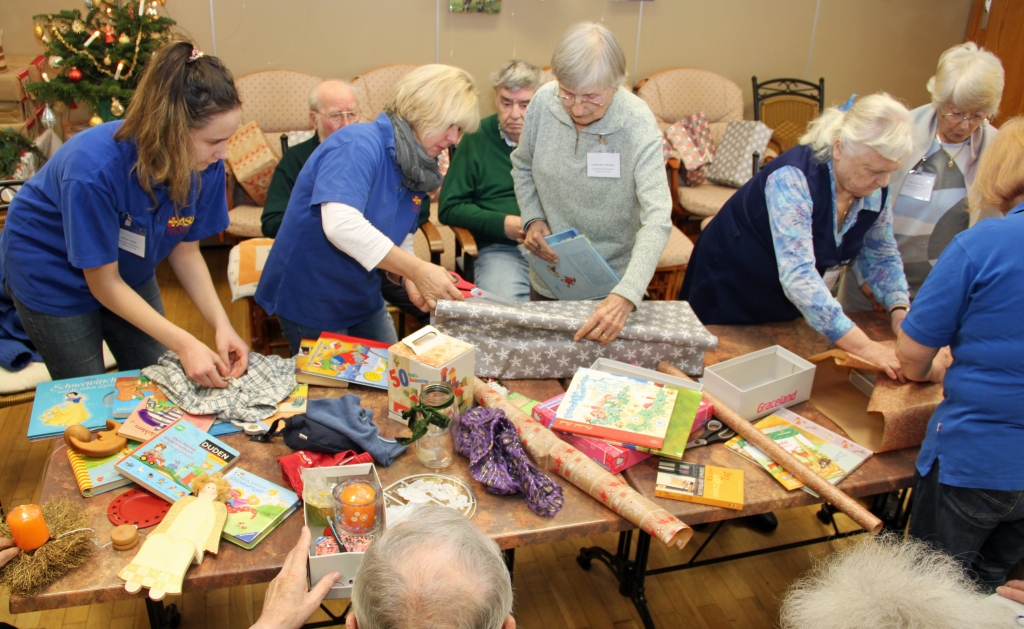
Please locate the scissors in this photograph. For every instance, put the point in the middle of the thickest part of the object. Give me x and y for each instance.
(714, 432)
(468, 289)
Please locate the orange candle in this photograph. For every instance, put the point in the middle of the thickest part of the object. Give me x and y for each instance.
(28, 527)
(357, 503)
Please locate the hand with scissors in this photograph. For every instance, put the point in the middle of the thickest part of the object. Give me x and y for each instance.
(714, 432)
(469, 289)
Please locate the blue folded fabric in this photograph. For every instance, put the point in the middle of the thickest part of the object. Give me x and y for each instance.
(16, 350)
(345, 415)
(15, 355)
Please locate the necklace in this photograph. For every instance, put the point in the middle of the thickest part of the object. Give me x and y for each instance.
(952, 157)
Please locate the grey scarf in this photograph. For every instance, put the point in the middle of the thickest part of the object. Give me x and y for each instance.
(419, 172)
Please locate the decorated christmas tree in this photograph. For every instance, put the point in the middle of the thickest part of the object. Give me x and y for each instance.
(100, 57)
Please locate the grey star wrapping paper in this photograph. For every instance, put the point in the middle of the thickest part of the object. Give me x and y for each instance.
(533, 340)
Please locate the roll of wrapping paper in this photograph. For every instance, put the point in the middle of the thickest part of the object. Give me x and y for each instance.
(805, 474)
(584, 473)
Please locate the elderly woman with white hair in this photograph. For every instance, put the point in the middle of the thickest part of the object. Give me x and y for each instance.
(598, 169)
(777, 247)
(929, 191)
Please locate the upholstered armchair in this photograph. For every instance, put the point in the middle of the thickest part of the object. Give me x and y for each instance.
(373, 87)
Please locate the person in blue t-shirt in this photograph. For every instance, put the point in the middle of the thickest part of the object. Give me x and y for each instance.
(969, 486)
(84, 235)
(354, 209)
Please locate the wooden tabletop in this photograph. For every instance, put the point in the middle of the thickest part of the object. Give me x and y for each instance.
(762, 494)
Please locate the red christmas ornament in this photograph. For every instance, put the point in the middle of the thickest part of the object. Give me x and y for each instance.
(74, 75)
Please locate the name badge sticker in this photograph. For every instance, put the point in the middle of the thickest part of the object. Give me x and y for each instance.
(918, 185)
(603, 165)
(132, 237)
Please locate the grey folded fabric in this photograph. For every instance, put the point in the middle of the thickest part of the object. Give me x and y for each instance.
(346, 416)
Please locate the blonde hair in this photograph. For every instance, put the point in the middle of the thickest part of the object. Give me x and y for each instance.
(968, 78)
(222, 484)
(878, 121)
(588, 56)
(434, 97)
(176, 95)
(999, 180)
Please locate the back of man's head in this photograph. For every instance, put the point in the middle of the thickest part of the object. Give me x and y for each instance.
(433, 569)
(891, 583)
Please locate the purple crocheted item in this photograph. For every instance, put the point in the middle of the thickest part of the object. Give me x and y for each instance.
(490, 441)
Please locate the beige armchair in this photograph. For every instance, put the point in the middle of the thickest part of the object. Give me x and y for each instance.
(373, 87)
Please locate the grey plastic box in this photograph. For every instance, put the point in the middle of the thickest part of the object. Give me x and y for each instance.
(756, 384)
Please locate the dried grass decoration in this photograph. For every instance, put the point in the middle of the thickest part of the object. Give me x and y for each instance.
(31, 571)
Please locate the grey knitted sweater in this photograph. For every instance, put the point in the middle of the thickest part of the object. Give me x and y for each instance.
(628, 219)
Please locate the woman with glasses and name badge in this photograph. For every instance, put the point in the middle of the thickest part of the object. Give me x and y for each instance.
(930, 189)
(599, 169)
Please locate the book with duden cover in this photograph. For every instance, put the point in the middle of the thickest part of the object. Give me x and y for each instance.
(581, 272)
(703, 484)
(168, 463)
(609, 406)
(832, 456)
(87, 401)
(351, 359)
(255, 508)
(96, 474)
(156, 412)
(130, 391)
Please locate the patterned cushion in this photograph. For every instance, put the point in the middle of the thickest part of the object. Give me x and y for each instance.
(704, 223)
(278, 100)
(245, 266)
(245, 222)
(733, 155)
(676, 93)
(677, 250)
(704, 200)
(373, 88)
(252, 161)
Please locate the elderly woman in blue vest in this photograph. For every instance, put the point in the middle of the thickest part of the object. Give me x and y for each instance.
(589, 157)
(929, 191)
(354, 209)
(776, 249)
(969, 487)
(84, 236)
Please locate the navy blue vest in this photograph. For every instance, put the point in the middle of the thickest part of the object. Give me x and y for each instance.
(733, 275)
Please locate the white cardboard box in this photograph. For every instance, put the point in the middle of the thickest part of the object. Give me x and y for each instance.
(425, 356)
(755, 384)
(344, 563)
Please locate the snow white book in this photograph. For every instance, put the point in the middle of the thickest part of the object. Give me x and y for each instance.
(86, 401)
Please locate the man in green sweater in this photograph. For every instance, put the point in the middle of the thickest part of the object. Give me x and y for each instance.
(478, 192)
(332, 105)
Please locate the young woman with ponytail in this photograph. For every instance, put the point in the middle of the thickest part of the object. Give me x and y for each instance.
(84, 236)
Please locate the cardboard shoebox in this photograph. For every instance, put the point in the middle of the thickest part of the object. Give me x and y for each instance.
(427, 356)
(345, 563)
(757, 383)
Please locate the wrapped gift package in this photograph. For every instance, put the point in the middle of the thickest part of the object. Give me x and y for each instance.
(757, 383)
(534, 339)
(252, 161)
(425, 356)
(877, 412)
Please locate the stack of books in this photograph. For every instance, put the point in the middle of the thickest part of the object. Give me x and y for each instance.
(337, 360)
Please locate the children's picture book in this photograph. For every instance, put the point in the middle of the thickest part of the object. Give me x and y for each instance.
(581, 272)
(130, 391)
(351, 359)
(168, 463)
(703, 484)
(832, 456)
(156, 412)
(86, 401)
(609, 406)
(294, 404)
(302, 358)
(96, 474)
(255, 508)
(680, 425)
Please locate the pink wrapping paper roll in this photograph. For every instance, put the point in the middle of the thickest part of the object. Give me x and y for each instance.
(823, 488)
(581, 471)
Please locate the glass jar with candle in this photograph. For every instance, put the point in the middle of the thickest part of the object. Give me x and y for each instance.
(435, 449)
(316, 493)
(357, 506)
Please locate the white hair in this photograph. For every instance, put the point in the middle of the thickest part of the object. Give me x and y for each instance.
(878, 121)
(433, 569)
(968, 78)
(516, 75)
(885, 582)
(314, 94)
(588, 56)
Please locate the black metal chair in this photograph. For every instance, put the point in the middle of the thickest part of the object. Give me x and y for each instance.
(787, 105)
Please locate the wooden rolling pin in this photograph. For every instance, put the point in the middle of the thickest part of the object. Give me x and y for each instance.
(748, 431)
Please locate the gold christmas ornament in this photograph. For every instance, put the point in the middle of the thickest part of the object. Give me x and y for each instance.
(124, 39)
(78, 26)
(116, 107)
(38, 30)
(106, 60)
(95, 121)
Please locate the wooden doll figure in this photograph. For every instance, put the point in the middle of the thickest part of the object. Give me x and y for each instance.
(192, 527)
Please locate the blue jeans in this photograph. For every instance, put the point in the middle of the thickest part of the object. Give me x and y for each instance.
(502, 270)
(983, 528)
(378, 327)
(72, 346)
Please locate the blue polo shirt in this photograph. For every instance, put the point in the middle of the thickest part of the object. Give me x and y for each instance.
(306, 279)
(69, 217)
(973, 301)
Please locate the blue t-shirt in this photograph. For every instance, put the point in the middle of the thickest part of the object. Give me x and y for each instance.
(308, 280)
(70, 216)
(973, 301)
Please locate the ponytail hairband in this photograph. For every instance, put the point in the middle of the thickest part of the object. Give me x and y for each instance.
(196, 53)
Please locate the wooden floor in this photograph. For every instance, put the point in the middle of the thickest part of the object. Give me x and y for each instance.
(551, 590)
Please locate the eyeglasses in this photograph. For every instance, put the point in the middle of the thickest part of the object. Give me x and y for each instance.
(341, 116)
(957, 117)
(589, 101)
